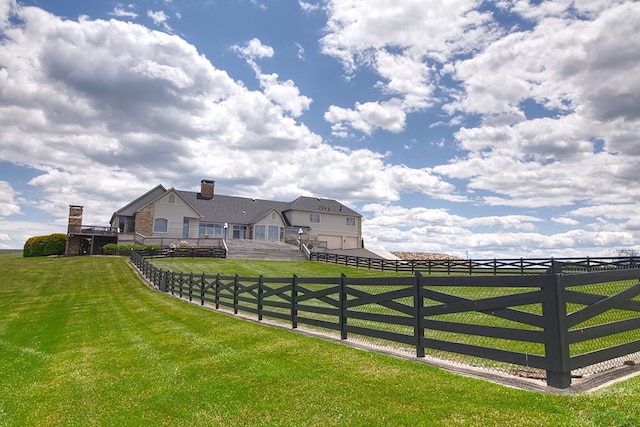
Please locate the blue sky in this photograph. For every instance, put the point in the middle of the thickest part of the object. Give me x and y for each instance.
(481, 129)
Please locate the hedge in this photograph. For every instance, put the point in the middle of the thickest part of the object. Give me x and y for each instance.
(114, 249)
(53, 244)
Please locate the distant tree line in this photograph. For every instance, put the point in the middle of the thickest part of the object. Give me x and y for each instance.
(627, 252)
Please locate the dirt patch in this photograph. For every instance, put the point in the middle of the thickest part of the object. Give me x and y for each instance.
(424, 256)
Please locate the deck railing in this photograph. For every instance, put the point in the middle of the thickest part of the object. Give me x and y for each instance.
(93, 230)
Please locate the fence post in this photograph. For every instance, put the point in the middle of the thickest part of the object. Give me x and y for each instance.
(418, 329)
(217, 291)
(235, 295)
(190, 286)
(343, 307)
(202, 287)
(163, 281)
(294, 298)
(260, 291)
(554, 312)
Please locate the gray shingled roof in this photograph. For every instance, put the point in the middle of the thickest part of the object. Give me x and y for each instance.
(314, 204)
(243, 210)
(236, 210)
(142, 201)
(239, 210)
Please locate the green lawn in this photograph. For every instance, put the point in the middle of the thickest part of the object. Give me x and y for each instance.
(84, 342)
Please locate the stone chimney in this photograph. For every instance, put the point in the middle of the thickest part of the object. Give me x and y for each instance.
(74, 243)
(75, 219)
(206, 189)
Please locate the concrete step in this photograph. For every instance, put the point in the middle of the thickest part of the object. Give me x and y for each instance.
(257, 249)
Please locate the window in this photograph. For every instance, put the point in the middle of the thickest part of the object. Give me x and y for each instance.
(160, 225)
(185, 228)
(274, 233)
(259, 232)
(351, 221)
(210, 230)
(314, 217)
(239, 231)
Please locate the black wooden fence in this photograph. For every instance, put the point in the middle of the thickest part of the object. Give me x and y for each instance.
(493, 266)
(553, 322)
(191, 252)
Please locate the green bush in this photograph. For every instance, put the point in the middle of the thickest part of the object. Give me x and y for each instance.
(110, 249)
(53, 244)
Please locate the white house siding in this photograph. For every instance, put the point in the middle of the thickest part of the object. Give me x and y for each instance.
(333, 242)
(332, 228)
(271, 219)
(175, 213)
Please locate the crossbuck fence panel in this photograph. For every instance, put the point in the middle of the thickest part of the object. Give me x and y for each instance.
(559, 324)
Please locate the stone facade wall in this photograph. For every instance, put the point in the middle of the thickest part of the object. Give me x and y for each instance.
(73, 246)
(144, 221)
(74, 243)
(75, 219)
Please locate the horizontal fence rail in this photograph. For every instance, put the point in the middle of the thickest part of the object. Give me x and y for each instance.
(521, 266)
(190, 252)
(553, 322)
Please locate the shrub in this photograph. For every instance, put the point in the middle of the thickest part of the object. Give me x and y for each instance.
(53, 244)
(126, 249)
(113, 249)
(110, 249)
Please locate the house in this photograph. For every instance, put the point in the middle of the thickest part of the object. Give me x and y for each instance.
(165, 216)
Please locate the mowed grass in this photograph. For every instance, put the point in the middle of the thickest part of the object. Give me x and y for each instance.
(84, 342)
(266, 268)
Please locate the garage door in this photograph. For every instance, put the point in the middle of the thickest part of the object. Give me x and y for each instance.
(333, 242)
(352, 243)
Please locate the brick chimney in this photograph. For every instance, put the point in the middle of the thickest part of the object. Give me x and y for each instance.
(75, 219)
(74, 243)
(206, 189)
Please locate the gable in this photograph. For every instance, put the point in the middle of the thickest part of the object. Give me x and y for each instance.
(171, 203)
(131, 208)
(272, 217)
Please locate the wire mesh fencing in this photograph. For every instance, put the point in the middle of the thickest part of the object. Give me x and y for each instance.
(552, 326)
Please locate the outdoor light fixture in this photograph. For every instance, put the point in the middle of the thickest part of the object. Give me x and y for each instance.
(226, 227)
